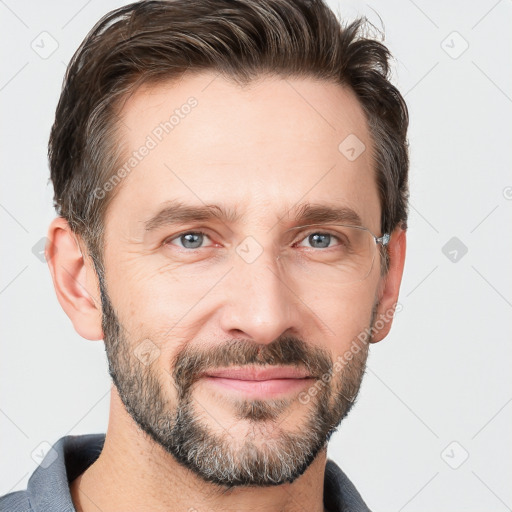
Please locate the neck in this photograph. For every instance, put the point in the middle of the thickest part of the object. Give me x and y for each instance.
(135, 473)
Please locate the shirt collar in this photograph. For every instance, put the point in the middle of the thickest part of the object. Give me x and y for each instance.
(340, 494)
(70, 456)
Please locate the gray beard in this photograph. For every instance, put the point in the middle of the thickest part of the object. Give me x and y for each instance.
(219, 458)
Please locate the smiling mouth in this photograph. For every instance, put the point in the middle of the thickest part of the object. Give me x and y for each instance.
(259, 382)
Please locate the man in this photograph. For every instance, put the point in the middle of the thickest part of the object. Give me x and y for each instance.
(231, 185)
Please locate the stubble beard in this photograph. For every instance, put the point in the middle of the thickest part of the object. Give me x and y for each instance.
(186, 432)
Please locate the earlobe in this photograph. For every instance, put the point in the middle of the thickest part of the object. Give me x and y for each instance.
(389, 287)
(74, 280)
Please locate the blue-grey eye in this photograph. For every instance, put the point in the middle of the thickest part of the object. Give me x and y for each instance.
(191, 240)
(319, 240)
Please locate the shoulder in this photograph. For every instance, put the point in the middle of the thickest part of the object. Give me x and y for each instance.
(17, 501)
(48, 486)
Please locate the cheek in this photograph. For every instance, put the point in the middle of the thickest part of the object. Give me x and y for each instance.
(346, 316)
(163, 310)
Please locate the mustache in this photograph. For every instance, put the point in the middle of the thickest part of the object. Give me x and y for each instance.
(191, 362)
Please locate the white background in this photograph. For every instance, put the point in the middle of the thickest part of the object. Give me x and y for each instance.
(442, 375)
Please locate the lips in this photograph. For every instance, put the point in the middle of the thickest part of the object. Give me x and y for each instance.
(255, 373)
(259, 382)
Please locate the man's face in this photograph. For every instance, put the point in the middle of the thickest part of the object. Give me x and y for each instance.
(217, 329)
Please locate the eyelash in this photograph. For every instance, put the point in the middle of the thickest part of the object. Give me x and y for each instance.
(167, 241)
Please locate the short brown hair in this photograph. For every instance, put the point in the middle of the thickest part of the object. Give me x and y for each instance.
(151, 41)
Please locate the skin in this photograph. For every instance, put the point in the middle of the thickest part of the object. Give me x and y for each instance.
(261, 149)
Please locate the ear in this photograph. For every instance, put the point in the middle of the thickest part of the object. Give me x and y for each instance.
(74, 279)
(389, 286)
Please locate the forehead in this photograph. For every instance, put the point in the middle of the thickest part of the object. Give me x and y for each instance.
(260, 149)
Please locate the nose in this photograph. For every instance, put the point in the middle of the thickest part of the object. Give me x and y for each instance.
(260, 302)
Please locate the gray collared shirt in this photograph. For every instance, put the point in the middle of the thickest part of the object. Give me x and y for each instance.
(48, 486)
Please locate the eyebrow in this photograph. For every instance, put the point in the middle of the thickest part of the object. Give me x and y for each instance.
(310, 213)
(176, 212)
